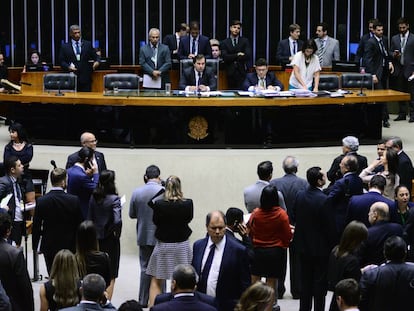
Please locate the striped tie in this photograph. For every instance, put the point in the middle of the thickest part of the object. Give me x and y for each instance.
(321, 50)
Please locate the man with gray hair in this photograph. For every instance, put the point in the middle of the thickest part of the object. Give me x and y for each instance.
(290, 185)
(405, 166)
(350, 145)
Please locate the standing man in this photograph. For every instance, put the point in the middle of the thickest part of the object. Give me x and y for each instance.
(199, 77)
(402, 49)
(3, 67)
(57, 214)
(221, 263)
(237, 56)
(13, 272)
(289, 46)
(195, 44)
(378, 63)
(405, 166)
(88, 140)
(140, 211)
(290, 184)
(10, 187)
(328, 47)
(76, 56)
(362, 43)
(155, 58)
(173, 40)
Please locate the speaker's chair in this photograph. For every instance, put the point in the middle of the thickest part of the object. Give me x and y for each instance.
(328, 82)
(123, 81)
(210, 63)
(354, 80)
(59, 82)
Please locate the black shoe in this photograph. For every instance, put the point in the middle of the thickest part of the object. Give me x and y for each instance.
(411, 120)
(400, 118)
(276, 308)
(386, 124)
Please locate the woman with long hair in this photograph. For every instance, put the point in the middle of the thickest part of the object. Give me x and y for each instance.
(88, 256)
(271, 234)
(258, 297)
(390, 162)
(61, 290)
(343, 261)
(172, 214)
(105, 211)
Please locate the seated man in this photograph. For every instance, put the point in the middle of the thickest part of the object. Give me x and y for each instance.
(262, 79)
(199, 77)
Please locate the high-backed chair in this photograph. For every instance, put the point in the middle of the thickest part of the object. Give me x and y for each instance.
(210, 63)
(328, 82)
(123, 81)
(59, 82)
(354, 81)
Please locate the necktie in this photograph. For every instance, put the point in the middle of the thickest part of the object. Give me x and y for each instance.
(193, 48)
(202, 284)
(383, 52)
(234, 42)
(295, 49)
(403, 41)
(262, 83)
(321, 51)
(77, 47)
(17, 191)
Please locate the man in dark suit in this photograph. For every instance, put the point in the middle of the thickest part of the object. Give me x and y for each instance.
(155, 58)
(402, 49)
(221, 263)
(361, 47)
(359, 205)
(93, 295)
(290, 184)
(78, 56)
(194, 44)
(389, 286)
(289, 46)
(13, 272)
(237, 56)
(9, 186)
(183, 295)
(378, 63)
(313, 233)
(371, 250)
(88, 140)
(199, 77)
(405, 166)
(173, 40)
(56, 219)
(261, 79)
(342, 190)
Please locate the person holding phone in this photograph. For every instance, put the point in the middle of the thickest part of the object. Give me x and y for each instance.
(83, 177)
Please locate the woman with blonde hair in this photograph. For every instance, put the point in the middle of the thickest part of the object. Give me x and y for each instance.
(172, 214)
(258, 297)
(62, 288)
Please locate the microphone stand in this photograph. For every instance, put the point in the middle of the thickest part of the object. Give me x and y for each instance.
(198, 85)
(59, 93)
(361, 92)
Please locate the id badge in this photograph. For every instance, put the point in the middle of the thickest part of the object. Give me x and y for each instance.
(78, 57)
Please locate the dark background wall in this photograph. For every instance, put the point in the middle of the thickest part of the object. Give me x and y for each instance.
(120, 26)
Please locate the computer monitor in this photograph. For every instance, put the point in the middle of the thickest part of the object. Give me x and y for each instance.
(40, 67)
(344, 66)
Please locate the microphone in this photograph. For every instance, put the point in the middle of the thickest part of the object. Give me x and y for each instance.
(361, 92)
(25, 83)
(59, 93)
(198, 84)
(53, 164)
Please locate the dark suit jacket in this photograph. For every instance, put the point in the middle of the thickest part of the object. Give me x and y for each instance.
(99, 156)
(408, 54)
(184, 303)
(106, 216)
(57, 217)
(361, 49)
(89, 306)
(164, 297)
(84, 67)
(246, 242)
(387, 287)
(15, 278)
(6, 187)
(374, 60)
(204, 47)
(234, 275)
(283, 51)
(372, 249)
(171, 41)
(188, 78)
(359, 205)
(252, 80)
(334, 172)
(163, 62)
(405, 169)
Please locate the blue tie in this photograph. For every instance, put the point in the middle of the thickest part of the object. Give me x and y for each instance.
(77, 47)
(193, 49)
(202, 284)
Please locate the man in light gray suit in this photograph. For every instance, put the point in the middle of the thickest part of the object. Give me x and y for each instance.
(140, 210)
(290, 185)
(328, 47)
(253, 192)
(155, 58)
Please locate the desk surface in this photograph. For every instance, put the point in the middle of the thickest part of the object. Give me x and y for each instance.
(182, 101)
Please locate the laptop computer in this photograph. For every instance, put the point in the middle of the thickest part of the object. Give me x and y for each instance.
(39, 67)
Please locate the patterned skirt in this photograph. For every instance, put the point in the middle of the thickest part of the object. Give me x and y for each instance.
(166, 256)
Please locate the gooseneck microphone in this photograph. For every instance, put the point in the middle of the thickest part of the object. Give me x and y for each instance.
(361, 92)
(53, 164)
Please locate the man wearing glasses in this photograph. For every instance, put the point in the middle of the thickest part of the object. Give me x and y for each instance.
(88, 140)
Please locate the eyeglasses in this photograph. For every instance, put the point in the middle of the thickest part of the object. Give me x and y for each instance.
(95, 141)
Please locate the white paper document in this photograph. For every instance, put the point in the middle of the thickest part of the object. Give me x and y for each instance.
(5, 202)
(150, 83)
